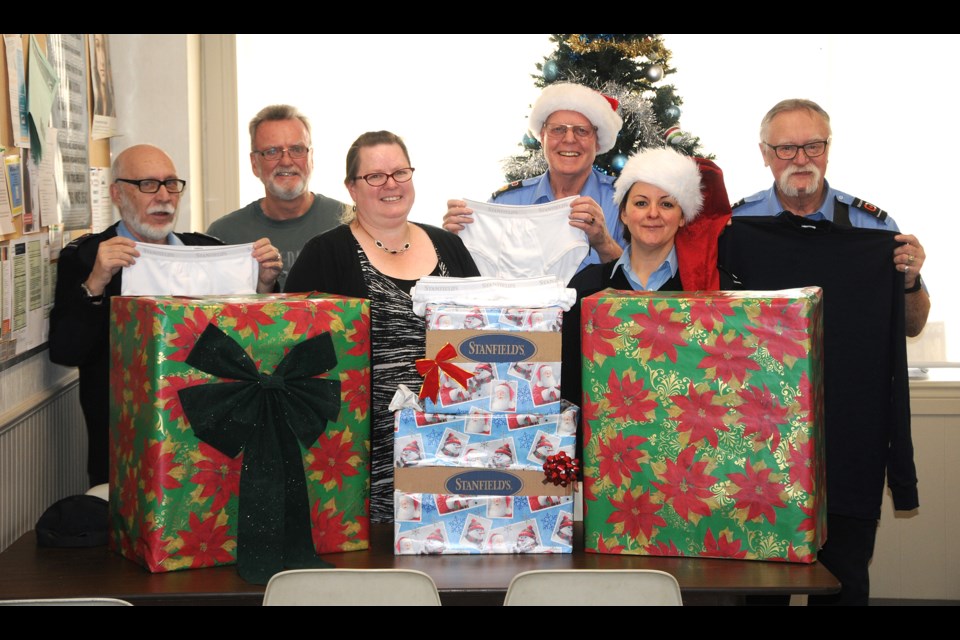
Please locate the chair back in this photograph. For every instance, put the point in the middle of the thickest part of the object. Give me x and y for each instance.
(593, 587)
(346, 587)
(67, 602)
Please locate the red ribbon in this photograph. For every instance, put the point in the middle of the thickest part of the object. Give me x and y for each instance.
(430, 370)
(561, 469)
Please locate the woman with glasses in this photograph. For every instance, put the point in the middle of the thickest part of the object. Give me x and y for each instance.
(379, 254)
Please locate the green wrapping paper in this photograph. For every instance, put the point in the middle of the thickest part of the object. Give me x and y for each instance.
(218, 399)
(703, 418)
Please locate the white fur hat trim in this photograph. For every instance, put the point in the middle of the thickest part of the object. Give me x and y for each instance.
(566, 96)
(673, 172)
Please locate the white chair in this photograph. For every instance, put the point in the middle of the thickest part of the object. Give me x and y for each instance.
(571, 587)
(67, 602)
(346, 587)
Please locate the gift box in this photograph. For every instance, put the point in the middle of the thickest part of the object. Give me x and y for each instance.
(509, 359)
(240, 431)
(469, 484)
(703, 424)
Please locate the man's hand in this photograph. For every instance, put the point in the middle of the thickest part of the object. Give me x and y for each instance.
(587, 216)
(457, 217)
(271, 264)
(112, 255)
(909, 258)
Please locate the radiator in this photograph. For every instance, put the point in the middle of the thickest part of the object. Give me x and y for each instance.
(43, 452)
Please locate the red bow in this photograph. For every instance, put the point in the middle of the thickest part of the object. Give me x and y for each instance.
(430, 370)
(561, 469)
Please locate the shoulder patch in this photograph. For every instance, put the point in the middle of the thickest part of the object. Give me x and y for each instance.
(516, 184)
(869, 208)
(81, 240)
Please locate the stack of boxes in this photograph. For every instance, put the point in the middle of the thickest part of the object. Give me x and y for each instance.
(469, 468)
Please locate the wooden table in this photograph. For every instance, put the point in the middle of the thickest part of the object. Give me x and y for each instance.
(27, 571)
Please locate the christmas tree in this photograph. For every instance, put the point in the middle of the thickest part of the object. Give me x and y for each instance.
(627, 67)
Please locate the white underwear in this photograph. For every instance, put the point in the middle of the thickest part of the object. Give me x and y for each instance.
(544, 291)
(511, 241)
(191, 271)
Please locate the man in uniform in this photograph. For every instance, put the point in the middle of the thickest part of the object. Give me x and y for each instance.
(795, 137)
(146, 190)
(289, 213)
(573, 123)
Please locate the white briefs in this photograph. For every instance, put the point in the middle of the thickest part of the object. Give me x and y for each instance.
(191, 271)
(513, 241)
(545, 291)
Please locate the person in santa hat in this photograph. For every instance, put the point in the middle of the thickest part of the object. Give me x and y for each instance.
(504, 397)
(568, 422)
(434, 544)
(477, 422)
(479, 385)
(565, 530)
(497, 544)
(499, 507)
(502, 457)
(526, 540)
(545, 388)
(406, 546)
(573, 123)
(452, 446)
(408, 508)
(673, 209)
(475, 533)
(442, 321)
(544, 448)
(410, 454)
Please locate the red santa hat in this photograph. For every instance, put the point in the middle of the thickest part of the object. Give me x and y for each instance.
(505, 385)
(667, 169)
(400, 542)
(527, 533)
(599, 109)
(540, 371)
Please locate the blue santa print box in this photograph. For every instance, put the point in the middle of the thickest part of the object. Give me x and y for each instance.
(474, 483)
(512, 356)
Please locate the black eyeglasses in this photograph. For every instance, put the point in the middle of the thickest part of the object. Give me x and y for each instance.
(790, 151)
(296, 152)
(380, 179)
(558, 130)
(150, 185)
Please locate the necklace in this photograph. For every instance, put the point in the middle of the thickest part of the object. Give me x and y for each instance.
(381, 246)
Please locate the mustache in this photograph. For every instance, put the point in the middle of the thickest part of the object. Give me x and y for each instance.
(288, 170)
(162, 208)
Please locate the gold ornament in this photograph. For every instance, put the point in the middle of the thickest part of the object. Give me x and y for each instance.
(648, 47)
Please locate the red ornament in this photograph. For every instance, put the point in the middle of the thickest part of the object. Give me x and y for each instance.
(561, 469)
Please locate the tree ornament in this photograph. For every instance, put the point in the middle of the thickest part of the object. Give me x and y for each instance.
(654, 72)
(672, 112)
(550, 70)
(618, 162)
(674, 135)
(529, 142)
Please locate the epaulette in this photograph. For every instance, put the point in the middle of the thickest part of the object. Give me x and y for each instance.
(516, 184)
(738, 203)
(79, 241)
(869, 208)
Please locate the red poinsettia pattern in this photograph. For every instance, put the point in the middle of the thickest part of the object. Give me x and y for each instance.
(206, 542)
(334, 458)
(731, 360)
(187, 332)
(659, 332)
(723, 546)
(157, 466)
(355, 388)
(710, 312)
(249, 317)
(217, 475)
(782, 329)
(619, 458)
(599, 332)
(637, 513)
(762, 415)
(329, 531)
(686, 484)
(757, 493)
(801, 464)
(629, 399)
(700, 416)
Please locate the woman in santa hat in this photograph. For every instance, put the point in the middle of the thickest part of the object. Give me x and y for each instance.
(673, 209)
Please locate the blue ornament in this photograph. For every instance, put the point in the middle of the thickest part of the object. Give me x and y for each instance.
(529, 142)
(618, 162)
(550, 70)
(672, 112)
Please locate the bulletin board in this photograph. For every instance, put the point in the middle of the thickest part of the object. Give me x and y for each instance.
(45, 193)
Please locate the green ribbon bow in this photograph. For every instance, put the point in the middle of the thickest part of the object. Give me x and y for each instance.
(268, 417)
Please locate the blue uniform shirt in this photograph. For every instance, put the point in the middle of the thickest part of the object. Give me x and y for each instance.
(666, 270)
(537, 190)
(766, 203)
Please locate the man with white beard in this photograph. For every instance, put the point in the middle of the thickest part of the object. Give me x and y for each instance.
(146, 190)
(795, 143)
(289, 213)
(795, 138)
